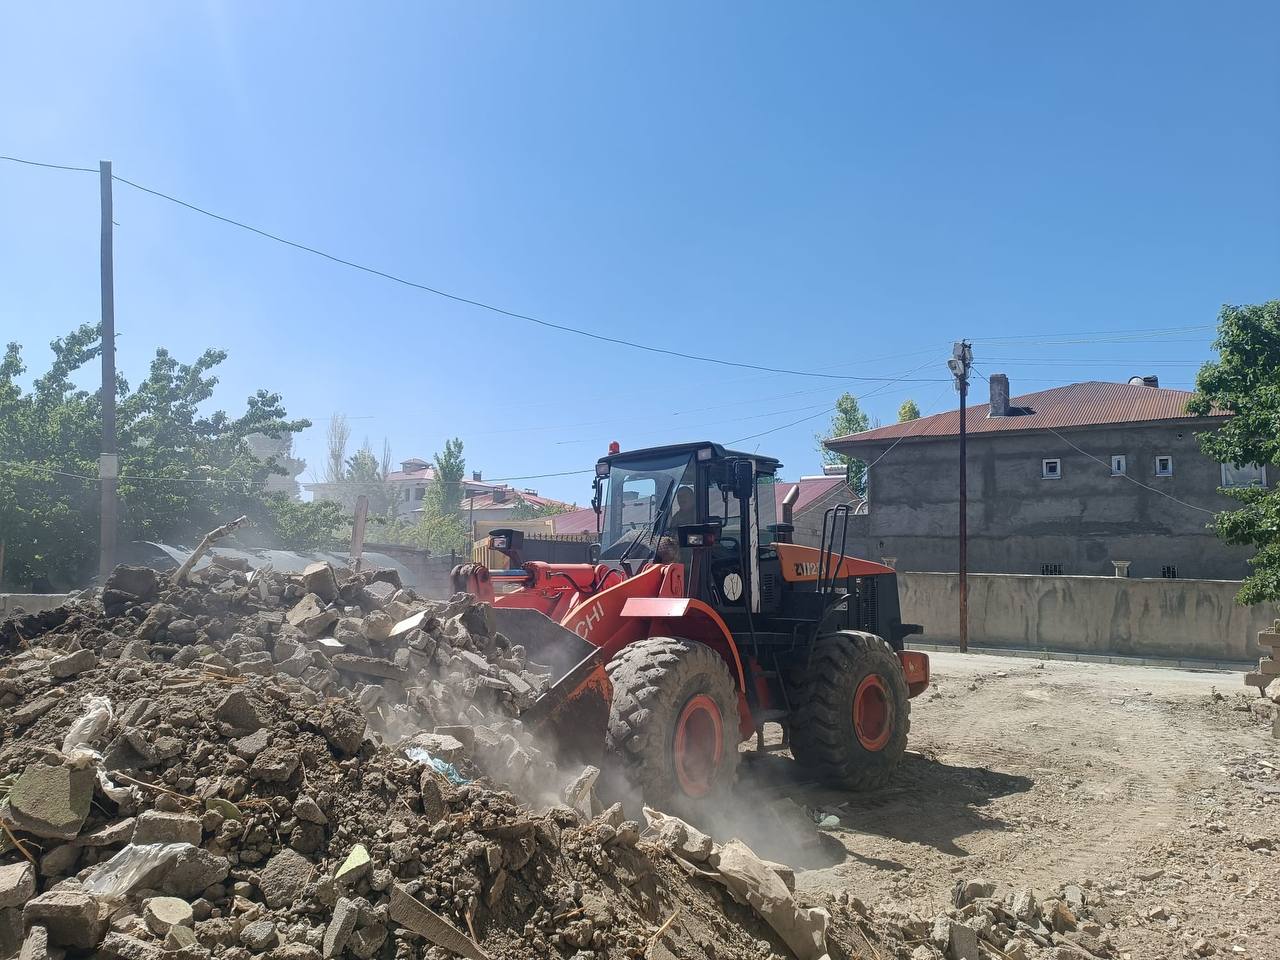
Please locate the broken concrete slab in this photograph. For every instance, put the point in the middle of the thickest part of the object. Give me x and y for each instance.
(306, 809)
(121, 946)
(319, 578)
(341, 926)
(368, 666)
(354, 867)
(159, 826)
(193, 869)
(284, 877)
(413, 914)
(237, 712)
(50, 801)
(71, 918)
(73, 663)
(163, 913)
(17, 884)
(311, 616)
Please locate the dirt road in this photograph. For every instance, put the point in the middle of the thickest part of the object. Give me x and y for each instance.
(1147, 787)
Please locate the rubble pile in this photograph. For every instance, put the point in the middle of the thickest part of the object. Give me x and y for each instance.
(327, 765)
(308, 767)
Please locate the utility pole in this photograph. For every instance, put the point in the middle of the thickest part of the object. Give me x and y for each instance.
(959, 364)
(108, 462)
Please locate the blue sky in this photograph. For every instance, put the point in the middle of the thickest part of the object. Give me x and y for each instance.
(838, 188)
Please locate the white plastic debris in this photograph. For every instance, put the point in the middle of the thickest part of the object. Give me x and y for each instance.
(130, 868)
(89, 725)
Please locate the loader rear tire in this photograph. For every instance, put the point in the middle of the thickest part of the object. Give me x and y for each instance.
(852, 711)
(673, 723)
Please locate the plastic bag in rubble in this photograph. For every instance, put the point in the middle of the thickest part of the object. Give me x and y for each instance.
(130, 868)
(448, 770)
(89, 725)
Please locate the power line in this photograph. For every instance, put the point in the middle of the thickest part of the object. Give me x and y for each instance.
(830, 410)
(51, 166)
(374, 271)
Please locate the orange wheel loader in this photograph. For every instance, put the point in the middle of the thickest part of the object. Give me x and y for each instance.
(699, 621)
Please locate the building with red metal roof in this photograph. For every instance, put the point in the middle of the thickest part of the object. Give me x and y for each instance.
(1087, 479)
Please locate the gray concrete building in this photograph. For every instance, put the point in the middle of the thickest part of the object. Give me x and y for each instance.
(1069, 481)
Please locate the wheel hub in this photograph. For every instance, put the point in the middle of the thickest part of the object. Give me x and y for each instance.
(699, 745)
(872, 713)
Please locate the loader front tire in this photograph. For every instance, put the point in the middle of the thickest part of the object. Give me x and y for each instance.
(673, 723)
(852, 712)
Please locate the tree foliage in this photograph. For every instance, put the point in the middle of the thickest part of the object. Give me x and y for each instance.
(442, 527)
(908, 411)
(1245, 380)
(182, 472)
(849, 418)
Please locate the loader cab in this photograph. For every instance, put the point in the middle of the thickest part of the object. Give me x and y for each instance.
(646, 498)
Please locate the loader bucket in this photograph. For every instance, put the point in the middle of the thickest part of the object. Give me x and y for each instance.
(573, 713)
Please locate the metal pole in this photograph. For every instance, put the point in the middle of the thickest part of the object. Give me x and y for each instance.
(108, 462)
(964, 521)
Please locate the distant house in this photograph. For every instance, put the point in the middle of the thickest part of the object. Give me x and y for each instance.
(407, 487)
(281, 448)
(496, 502)
(816, 495)
(1073, 480)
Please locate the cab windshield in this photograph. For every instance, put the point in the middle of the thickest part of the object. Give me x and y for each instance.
(642, 498)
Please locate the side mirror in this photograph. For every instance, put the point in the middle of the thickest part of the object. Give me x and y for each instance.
(593, 553)
(744, 479)
(597, 496)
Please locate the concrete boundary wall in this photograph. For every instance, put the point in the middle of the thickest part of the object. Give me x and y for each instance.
(30, 602)
(1101, 616)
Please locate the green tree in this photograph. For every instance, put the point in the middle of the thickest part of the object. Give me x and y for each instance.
(442, 526)
(849, 418)
(524, 510)
(1245, 380)
(181, 472)
(908, 411)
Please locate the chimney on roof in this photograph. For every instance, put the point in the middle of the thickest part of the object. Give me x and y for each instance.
(475, 476)
(1152, 381)
(999, 396)
(500, 495)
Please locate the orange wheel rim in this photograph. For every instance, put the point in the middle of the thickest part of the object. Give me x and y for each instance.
(872, 713)
(699, 745)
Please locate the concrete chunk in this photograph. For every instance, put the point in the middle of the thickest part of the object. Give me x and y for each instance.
(340, 928)
(159, 826)
(17, 884)
(238, 712)
(121, 946)
(310, 616)
(163, 913)
(414, 915)
(71, 918)
(51, 801)
(319, 578)
(73, 663)
(284, 877)
(355, 866)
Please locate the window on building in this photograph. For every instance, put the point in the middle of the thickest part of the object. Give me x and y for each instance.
(1118, 465)
(1051, 469)
(1050, 569)
(1243, 475)
(1164, 466)
(419, 492)
(1169, 572)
